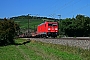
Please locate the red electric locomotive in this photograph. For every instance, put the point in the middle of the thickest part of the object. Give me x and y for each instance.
(47, 29)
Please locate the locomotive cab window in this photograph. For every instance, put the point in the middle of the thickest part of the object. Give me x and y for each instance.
(49, 24)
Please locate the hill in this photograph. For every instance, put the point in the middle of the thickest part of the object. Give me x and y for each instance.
(34, 21)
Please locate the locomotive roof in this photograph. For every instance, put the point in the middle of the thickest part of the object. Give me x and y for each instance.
(46, 22)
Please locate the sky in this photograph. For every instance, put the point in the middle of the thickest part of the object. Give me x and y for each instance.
(45, 8)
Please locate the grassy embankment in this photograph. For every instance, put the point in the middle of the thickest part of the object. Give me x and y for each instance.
(42, 51)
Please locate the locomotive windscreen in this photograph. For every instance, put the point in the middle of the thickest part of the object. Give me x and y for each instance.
(52, 24)
(49, 24)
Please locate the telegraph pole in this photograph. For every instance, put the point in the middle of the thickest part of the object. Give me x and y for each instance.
(28, 26)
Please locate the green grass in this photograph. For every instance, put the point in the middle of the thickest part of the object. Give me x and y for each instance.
(10, 53)
(42, 51)
(24, 23)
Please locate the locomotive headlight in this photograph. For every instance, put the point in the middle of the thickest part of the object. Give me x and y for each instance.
(48, 28)
(56, 29)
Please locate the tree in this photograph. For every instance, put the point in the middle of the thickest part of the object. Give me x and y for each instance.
(8, 30)
(78, 26)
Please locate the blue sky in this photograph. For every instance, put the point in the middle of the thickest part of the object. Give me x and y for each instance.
(46, 8)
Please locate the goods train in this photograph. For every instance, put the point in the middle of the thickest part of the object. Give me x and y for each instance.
(46, 29)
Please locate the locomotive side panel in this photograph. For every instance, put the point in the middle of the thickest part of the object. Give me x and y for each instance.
(41, 30)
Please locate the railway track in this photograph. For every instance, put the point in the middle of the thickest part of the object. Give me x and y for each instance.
(77, 38)
(73, 38)
(70, 38)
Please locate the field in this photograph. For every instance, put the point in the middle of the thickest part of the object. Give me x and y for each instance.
(42, 51)
(32, 23)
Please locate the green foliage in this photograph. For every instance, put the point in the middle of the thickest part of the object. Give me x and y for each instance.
(8, 29)
(79, 26)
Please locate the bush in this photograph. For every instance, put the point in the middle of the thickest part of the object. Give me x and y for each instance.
(8, 30)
